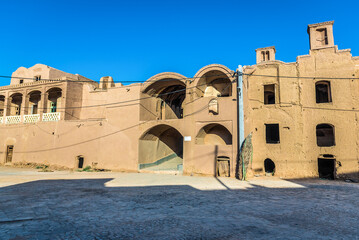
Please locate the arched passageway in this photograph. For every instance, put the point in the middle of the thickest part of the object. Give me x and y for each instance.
(54, 99)
(34, 100)
(214, 134)
(161, 149)
(269, 166)
(214, 84)
(169, 95)
(15, 104)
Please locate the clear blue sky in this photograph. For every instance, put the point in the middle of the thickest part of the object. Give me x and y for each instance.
(134, 40)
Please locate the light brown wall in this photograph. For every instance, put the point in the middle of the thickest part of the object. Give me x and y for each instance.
(298, 114)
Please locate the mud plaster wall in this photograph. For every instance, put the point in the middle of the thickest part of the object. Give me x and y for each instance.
(298, 114)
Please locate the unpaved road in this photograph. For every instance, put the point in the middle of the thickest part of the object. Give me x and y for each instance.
(67, 205)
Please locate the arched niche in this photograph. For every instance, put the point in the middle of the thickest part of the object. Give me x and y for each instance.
(214, 134)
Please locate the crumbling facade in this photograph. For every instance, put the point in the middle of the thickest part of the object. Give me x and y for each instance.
(304, 115)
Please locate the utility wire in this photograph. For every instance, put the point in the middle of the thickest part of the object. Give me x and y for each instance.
(92, 81)
(278, 76)
(131, 100)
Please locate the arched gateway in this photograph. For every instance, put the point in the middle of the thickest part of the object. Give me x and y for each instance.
(161, 149)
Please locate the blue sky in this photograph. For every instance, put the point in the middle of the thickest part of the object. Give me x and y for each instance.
(134, 40)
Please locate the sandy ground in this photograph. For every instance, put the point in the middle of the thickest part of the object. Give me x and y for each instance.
(108, 205)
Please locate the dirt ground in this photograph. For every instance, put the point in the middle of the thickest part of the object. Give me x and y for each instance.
(108, 205)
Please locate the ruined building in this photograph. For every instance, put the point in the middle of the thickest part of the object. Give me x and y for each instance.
(302, 117)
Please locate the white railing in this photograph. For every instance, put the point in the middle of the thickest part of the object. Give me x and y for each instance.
(51, 117)
(33, 118)
(13, 119)
(1, 120)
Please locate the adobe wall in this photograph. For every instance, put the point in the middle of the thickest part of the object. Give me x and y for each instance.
(298, 114)
(105, 125)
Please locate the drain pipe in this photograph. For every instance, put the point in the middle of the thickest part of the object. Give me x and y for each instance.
(240, 116)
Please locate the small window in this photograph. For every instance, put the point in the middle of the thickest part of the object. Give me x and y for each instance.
(322, 36)
(263, 56)
(272, 133)
(80, 161)
(323, 92)
(267, 54)
(21, 81)
(269, 94)
(37, 78)
(325, 135)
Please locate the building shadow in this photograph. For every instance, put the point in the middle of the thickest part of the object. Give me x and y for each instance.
(87, 209)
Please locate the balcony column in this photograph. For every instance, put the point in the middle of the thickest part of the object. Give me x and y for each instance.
(23, 107)
(41, 106)
(8, 101)
(62, 102)
(5, 106)
(25, 104)
(44, 100)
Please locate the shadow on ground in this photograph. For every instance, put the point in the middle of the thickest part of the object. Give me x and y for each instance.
(86, 209)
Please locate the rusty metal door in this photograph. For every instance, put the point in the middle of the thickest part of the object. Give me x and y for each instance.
(9, 153)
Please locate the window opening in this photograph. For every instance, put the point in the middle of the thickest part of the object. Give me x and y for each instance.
(272, 133)
(263, 56)
(37, 78)
(269, 94)
(21, 81)
(322, 36)
(267, 55)
(322, 91)
(325, 135)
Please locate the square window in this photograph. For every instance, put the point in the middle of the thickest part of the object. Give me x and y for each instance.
(272, 133)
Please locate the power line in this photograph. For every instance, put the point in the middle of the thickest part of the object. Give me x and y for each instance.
(92, 81)
(278, 76)
(131, 100)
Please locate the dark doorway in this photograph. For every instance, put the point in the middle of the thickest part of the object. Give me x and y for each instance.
(9, 153)
(269, 166)
(326, 168)
(80, 162)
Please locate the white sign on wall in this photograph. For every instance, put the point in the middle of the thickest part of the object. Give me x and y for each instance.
(187, 138)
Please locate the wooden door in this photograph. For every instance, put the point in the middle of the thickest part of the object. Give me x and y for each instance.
(9, 153)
